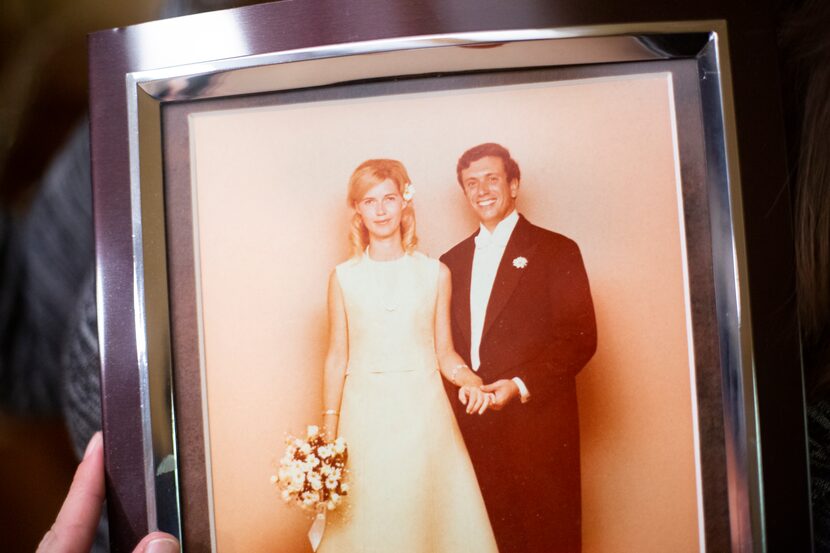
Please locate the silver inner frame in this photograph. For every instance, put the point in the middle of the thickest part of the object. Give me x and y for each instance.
(527, 48)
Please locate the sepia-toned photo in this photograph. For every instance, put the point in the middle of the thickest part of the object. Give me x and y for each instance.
(482, 291)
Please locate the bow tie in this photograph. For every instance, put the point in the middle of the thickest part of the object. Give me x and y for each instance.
(486, 240)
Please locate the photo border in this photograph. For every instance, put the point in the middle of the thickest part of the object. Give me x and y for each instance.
(132, 266)
(183, 265)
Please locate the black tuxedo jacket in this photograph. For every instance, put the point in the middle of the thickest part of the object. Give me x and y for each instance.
(539, 326)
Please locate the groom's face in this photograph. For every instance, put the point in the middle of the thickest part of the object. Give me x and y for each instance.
(487, 189)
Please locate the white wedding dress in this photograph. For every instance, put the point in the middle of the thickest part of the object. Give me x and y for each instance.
(412, 486)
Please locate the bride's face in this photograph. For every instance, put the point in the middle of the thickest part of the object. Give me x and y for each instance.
(380, 208)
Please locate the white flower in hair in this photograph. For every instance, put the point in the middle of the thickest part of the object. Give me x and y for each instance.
(408, 191)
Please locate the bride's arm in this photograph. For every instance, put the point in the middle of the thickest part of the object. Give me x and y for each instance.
(334, 370)
(451, 364)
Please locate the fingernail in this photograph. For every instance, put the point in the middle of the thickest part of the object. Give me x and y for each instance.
(162, 545)
(94, 442)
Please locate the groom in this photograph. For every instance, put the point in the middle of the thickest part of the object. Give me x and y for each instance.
(522, 317)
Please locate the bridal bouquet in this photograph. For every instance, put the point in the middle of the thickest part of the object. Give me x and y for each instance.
(312, 472)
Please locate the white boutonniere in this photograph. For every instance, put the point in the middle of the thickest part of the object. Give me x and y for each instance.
(520, 262)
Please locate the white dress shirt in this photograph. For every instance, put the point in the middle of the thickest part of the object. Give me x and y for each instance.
(486, 259)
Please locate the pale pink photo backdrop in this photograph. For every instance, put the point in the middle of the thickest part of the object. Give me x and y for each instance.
(598, 164)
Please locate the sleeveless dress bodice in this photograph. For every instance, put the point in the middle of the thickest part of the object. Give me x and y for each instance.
(390, 308)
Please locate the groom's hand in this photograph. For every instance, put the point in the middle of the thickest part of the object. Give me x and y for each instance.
(505, 392)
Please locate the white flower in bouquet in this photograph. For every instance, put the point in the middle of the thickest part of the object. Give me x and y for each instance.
(312, 472)
(310, 499)
(296, 485)
(297, 479)
(325, 452)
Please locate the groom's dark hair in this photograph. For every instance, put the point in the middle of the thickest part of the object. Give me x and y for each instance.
(511, 168)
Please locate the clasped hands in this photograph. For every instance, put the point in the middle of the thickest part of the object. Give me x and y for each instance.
(496, 395)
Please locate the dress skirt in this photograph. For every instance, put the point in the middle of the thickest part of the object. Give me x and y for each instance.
(412, 485)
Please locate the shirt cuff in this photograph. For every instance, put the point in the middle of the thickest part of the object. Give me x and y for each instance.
(523, 391)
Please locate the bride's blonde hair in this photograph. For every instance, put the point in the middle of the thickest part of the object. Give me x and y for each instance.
(368, 174)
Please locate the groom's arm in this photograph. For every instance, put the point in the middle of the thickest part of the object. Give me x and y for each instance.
(572, 335)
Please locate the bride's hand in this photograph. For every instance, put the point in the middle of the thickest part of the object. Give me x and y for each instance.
(475, 399)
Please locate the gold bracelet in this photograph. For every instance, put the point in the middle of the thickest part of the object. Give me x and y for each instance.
(331, 412)
(454, 373)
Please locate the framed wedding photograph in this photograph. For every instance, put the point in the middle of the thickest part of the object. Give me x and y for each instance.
(227, 226)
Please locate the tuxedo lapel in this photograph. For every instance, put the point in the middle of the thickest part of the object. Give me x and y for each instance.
(461, 292)
(508, 275)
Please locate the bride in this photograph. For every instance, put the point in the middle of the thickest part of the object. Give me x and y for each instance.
(413, 489)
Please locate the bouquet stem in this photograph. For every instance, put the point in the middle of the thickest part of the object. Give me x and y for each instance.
(315, 533)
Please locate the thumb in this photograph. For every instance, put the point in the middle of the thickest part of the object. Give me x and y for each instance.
(493, 387)
(462, 395)
(157, 542)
